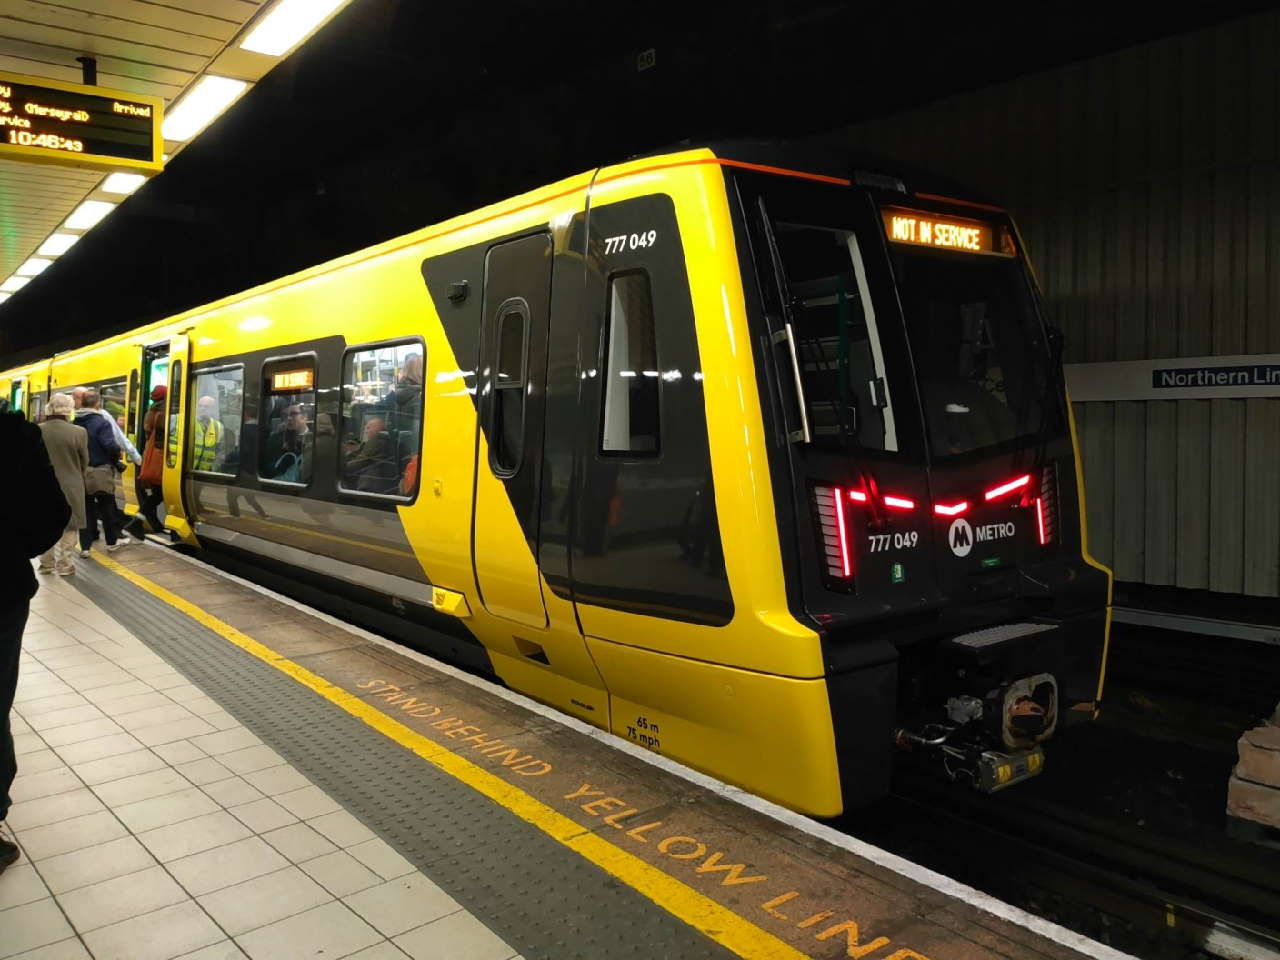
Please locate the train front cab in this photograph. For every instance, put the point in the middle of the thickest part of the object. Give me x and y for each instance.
(925, 454)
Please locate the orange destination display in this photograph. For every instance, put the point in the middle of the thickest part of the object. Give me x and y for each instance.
(926, 229)
(48, 121)
(292, 380)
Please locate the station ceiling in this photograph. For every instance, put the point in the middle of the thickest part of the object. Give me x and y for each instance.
(400, 113)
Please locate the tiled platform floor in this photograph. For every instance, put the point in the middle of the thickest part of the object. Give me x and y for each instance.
(153, 825)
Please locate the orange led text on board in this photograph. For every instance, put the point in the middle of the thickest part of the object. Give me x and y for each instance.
(909, 226)
(292, 380)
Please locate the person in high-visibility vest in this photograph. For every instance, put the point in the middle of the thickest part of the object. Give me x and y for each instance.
(206, 436)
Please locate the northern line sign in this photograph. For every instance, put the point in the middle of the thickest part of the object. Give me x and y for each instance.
(71, 124)
(1176, 378)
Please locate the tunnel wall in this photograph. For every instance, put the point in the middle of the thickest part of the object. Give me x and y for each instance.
(1147, 188)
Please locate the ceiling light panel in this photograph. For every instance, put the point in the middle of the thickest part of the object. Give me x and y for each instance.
(14, 284)
(287, 25)
(123, 183)
(88, 215)
(201, 105)
(34, 267)
(58, 244)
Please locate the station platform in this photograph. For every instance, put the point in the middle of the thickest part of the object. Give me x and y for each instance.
(210, 770)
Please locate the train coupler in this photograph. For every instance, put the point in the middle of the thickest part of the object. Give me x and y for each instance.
(996, 770)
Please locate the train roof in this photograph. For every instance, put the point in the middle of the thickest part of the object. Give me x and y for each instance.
(828, 161)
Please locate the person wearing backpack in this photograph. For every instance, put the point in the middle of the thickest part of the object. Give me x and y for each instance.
(34, 513)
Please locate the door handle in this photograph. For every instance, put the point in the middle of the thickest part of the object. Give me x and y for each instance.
(803, 435)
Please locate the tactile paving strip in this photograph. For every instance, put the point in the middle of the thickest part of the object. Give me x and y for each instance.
(540, 897)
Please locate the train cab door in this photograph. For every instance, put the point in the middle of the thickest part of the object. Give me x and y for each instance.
(18, 395)
(512, 405)
(176, 518)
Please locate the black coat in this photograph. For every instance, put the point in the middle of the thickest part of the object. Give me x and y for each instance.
(33, 511)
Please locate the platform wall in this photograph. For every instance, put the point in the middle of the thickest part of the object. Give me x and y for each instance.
(1147, 186)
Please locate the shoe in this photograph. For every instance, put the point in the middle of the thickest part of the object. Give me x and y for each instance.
(44, 569)
(8, 849)
(84, 553)
(67, 573)
(123, 542)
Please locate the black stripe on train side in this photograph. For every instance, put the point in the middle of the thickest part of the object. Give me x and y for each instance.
(642, 529)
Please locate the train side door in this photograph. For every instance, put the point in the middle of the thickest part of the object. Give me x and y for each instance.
(175, 420)
(512, 404)
(18, 395)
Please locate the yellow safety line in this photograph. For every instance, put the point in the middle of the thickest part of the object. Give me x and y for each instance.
(699, 911)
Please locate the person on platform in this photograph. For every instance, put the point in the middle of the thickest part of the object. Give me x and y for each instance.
(68, 449)
(34, 513)
(100, 478)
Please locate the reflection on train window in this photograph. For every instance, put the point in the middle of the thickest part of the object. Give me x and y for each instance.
(630, 421)
(506, 438)
(112, 395)
(978, 347)
(836, 337)
(289, 429)
(213, 432)
(382, 396)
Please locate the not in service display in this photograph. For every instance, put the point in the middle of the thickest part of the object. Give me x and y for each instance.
(54, 122)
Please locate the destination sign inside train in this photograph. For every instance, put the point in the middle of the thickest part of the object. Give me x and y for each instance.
(930, 230)
(47, 121)
(293, 380)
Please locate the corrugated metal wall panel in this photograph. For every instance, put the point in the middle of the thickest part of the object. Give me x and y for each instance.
(1160, 506)
(1145, 183)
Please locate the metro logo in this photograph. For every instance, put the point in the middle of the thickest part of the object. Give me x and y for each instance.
(961, 537)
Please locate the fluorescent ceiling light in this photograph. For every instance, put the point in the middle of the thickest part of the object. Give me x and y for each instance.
(34, 267)
(201, 104)
(284, 27)
(58, 244)
(14, 284)
(88, 215)
(123, 183)
(5, 296)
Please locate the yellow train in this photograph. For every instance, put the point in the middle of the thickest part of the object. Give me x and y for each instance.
(762, 463)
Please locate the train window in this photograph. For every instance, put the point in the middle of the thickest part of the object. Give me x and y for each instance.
(836, 339)
(113, 401)
(175, 400)
(629, 424)
(287, 447)
(382, 397)
(977, 345)
(506, 437)
(214, 408)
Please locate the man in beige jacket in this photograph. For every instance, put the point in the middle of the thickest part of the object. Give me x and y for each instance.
(68, 447)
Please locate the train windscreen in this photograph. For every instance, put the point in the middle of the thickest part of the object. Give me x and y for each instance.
(977, 342)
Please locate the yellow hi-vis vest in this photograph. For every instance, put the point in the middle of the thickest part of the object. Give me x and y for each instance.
(205, 440)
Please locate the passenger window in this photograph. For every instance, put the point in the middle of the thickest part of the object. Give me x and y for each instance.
(506, 439)
(287, 448)
(175, 400)
(382, 397)
(213, 433)
(629, 424)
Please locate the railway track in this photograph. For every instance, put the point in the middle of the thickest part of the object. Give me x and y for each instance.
(1123, 837)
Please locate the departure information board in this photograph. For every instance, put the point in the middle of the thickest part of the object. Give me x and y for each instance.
(47, 121)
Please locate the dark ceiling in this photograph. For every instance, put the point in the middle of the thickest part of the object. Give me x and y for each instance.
(401, 113)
